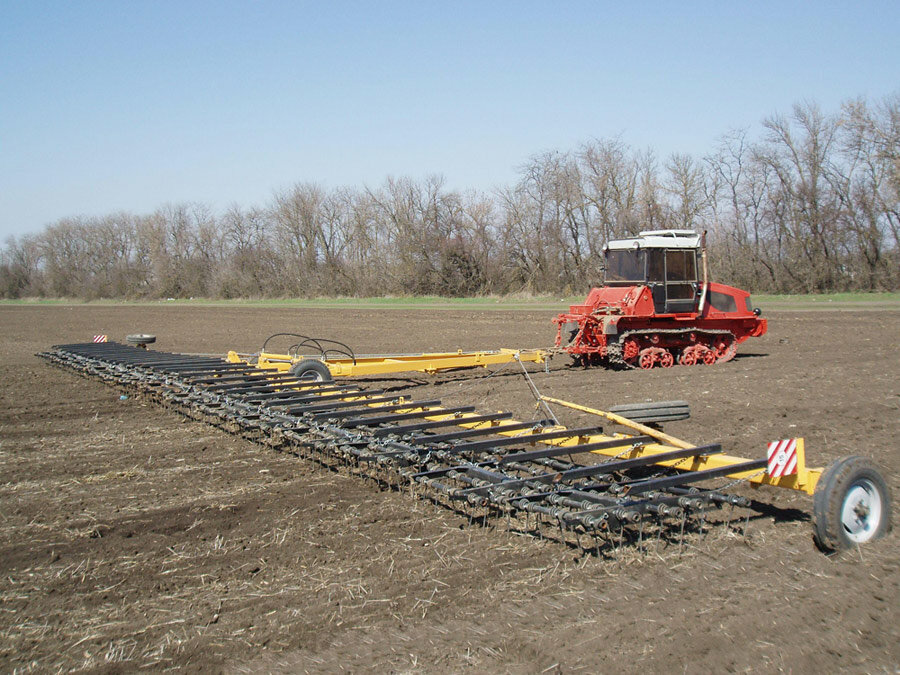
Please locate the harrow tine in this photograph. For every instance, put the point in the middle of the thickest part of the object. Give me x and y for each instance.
(608, 467)
(696, 476)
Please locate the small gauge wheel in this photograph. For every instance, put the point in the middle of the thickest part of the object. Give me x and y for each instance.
(851, 505)
(311, 370)
(140, 339)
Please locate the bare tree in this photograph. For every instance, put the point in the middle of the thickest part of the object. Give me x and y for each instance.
(811, 205)
(685, 183)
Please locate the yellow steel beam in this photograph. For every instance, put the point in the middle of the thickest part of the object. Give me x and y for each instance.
(400, 363)
(804, 480)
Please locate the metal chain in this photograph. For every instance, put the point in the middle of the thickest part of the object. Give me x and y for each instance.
(537, 394)
(738, 481)
(472, 380)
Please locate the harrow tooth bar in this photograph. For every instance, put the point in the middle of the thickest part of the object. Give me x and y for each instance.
(353, 413)
(404, 429)
(435, 439)
(398, 442)
(672, 481)
(525, 439)
(331, 409)
(282, 397)
(425, 412)
(530, 456)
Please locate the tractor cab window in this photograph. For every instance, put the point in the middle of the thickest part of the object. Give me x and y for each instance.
(681, 265)
(656, 264)
(625, 265)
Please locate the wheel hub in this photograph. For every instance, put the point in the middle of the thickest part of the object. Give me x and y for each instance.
(861, 512)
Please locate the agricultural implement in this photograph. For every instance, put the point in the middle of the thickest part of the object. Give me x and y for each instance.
(585, 486)
(654, 309)
(321, 359)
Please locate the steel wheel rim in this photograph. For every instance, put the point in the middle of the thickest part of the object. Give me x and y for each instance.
(861, 511)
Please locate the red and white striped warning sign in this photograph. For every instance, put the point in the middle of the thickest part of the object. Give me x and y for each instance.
(782, 458)
(99, 338)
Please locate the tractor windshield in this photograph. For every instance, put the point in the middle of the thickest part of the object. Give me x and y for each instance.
(625, 265)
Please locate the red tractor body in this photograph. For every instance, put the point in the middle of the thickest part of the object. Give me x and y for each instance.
(654, 310)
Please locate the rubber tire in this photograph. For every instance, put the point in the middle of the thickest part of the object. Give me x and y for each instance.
(312, 370)
(659, 411)
(140, 339)
(645, 418)
(829, 497)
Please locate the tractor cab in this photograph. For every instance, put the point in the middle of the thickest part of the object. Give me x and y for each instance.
(663, 260)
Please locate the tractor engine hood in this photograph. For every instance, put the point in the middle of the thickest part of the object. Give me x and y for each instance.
(625, 300)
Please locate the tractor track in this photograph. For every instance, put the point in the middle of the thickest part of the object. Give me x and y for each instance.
(616, 359)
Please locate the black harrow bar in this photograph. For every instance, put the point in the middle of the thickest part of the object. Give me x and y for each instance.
(490, 465)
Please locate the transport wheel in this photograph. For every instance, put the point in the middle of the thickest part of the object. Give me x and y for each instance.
(667, 360)
(312, 370)
(852, 504)
(709, 357)
(140, 339)
(647, 359)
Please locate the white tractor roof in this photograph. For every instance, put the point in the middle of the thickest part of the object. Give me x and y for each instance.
(658, 239)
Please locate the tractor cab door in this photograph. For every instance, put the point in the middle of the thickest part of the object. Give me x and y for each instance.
(656, 278)
(681, 280)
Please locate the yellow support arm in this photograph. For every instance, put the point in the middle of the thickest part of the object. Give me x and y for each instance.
(804, 480)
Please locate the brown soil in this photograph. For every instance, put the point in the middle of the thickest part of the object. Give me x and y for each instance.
(132, 538)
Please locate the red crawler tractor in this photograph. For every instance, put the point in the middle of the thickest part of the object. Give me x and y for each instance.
(654, 309)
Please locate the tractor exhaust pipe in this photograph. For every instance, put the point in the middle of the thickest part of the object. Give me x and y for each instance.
(705, 273)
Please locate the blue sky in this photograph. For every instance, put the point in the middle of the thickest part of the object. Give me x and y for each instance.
(108, 106)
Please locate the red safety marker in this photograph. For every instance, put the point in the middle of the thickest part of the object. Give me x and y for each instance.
(782, 458)
(100, 338)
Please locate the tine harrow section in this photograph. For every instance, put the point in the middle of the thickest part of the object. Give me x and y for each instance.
(544, 479)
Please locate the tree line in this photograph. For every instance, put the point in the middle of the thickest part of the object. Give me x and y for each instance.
(811, 204)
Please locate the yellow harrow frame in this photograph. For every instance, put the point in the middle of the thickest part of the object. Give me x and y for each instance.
(385, 364)
(491, 460)
(804, 480)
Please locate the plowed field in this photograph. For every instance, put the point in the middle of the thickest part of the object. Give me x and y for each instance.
(132, 538)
